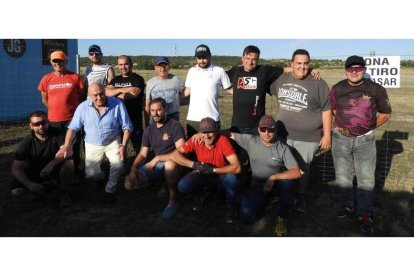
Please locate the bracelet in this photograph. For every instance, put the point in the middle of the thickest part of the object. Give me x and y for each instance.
(122, 145)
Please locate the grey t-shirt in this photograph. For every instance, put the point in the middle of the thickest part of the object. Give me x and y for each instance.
(168, 89)
(300, 105)
(265, 160)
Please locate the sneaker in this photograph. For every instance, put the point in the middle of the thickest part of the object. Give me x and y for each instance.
(169, 211)
(231, 215)
(344, 210)
(280, 230)
(300, 204)
(366, 223)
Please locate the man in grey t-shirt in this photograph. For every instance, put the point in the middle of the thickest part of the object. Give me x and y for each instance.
(272, 163)
(305, 111)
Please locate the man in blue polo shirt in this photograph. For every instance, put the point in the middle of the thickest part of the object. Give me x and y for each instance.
(103, 118)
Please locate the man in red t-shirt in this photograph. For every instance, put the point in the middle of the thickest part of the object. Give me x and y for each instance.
(217, 165)
(62, 91)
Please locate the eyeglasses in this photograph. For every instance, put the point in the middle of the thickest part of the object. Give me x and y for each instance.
(60, 61)
(95, 53)
(356, 69)
(36, 124)
(268, 129)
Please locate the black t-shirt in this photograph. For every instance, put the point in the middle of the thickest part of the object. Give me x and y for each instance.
(249, 93)
(162, 140)
(133, 106)
(37, 153)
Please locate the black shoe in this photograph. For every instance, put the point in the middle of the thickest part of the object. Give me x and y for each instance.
(109, 198)
(231, 215)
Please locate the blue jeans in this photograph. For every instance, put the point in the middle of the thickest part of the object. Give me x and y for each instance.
(229, 182)
(359, 153)
(156, 174)
(253, 203)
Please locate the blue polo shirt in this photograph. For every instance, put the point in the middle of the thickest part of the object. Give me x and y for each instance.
(101, 130)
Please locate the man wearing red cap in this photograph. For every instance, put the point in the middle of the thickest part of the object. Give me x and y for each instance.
(273, 165)
(61, 91)
(217, 165)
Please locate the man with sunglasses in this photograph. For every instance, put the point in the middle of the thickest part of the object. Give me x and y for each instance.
(359, 106)
(61, 92)
(204, 82)
(166, 86)
(273, 169)
(35, 167)
(305, 111)
(97, 71)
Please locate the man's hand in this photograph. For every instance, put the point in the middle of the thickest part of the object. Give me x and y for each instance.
(268, 186)
(315, 74)
(197, 138)
(64, 152)
(204, 169)
(122, 152)
(325, 142)
(35, 187)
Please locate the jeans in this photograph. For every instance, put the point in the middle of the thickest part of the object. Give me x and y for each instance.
(253, 203)
(229, 182)
(359, 153)
(156, 174)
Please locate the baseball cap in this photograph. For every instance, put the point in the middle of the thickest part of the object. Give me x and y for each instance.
(161, 59)
(58, 55)
(202, 51)
(354, 60)
(208, 125)
(95, 48)
(267, 121)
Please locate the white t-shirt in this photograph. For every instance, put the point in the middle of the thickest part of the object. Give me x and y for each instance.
(205, 85)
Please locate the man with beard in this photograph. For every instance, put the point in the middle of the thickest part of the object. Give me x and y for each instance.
(163, 136)
(129, 87)
(97, 71)
(217, 166)
(204, 82)
(35, 167)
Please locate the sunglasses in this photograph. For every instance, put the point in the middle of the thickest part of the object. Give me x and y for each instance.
(36, 124)
(356, 69)
(268, 129)
(94, 53)
(60, 61)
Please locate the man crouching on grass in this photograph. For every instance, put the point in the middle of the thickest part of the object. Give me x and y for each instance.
(163, 137)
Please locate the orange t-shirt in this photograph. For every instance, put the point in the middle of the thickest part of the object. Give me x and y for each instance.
(62, 93)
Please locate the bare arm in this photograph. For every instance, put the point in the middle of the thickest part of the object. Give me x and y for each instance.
(123, 146)
(44, 98)
(230, 90)
(111, 74)
(325, 142)
(187, 91)
(20, 175)
(291, 174)
(232, 168)
(382, 118)
(66, 149)
(178, 157)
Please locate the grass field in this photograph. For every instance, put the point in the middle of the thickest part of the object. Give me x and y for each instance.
(137, 214)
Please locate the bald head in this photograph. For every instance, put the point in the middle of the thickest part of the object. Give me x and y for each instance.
(96, 92)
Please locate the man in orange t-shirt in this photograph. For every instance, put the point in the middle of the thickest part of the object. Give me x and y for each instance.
(61, 91)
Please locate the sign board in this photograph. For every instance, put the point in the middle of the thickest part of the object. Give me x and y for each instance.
(384, 70)
(51, 45)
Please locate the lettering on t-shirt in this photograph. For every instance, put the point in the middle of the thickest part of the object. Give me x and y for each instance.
(293, 98)
(247, 83)
(126, 84)
(60, 85)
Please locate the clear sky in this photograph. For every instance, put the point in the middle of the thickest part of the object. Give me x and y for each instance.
(270, 48)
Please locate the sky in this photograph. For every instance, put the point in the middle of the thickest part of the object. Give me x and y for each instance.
(270, 48)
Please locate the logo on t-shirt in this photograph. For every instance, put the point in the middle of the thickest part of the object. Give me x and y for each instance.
(60, 85)
(247, 83)
(165, 137)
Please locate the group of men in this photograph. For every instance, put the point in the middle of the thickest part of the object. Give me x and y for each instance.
(279, 152)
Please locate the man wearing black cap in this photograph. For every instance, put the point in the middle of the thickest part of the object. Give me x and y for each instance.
(166, 86)
(273, 165)
(129, 87)
(97, 71)
(359, 106)
(204, 82)
(217, 165)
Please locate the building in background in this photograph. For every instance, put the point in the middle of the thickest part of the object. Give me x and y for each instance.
(23, 62)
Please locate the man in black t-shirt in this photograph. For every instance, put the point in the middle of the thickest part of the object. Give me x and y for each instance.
(35, 167)
(163, 137)
(129, 87)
